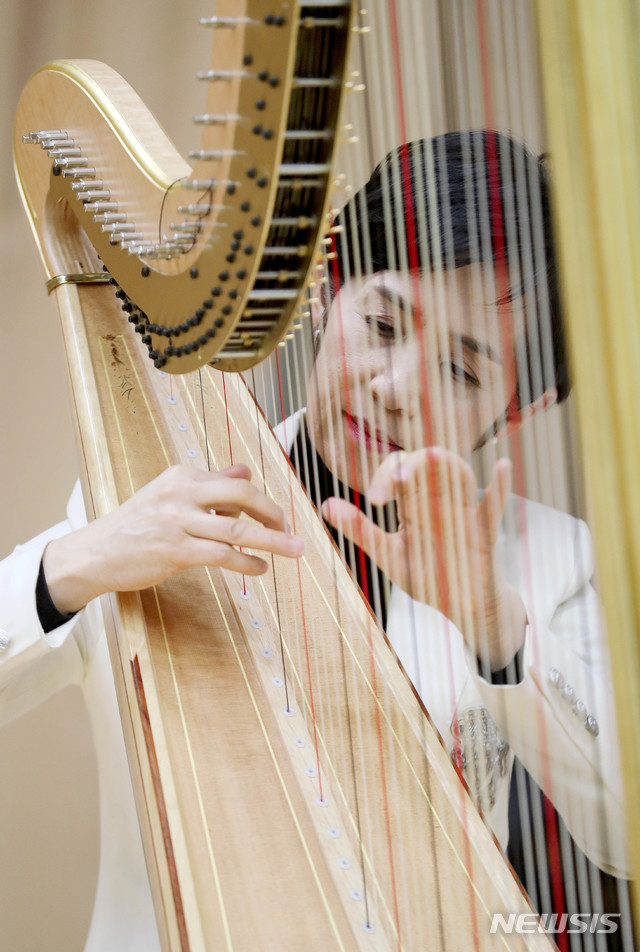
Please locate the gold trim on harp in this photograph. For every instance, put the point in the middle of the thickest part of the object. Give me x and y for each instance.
(59, 279)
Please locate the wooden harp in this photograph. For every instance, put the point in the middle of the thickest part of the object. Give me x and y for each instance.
(285, 770)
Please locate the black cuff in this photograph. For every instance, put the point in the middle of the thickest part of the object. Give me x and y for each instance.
(48, 614)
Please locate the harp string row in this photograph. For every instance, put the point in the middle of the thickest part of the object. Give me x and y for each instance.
(522, 271)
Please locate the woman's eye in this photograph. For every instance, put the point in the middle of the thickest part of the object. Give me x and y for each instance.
(464, 375)
(380, 326)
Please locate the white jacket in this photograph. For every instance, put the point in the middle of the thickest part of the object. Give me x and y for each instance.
(33, 667)
(567, 678)
(579, 771)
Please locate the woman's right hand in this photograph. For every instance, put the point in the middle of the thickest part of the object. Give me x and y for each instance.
(183, 518)
(444, 550)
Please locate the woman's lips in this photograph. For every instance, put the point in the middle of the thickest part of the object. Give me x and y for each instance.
(363, 433)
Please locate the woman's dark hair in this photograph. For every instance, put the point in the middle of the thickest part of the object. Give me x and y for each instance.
(457, 199)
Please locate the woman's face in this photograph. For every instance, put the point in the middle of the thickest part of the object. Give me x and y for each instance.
(410, 361)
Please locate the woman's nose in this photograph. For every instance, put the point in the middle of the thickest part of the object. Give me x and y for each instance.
(398, 384)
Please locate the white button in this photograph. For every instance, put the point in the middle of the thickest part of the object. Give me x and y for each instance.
(566, 691)
(5, 640)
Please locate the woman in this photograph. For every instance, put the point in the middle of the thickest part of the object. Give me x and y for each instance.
(490, 607)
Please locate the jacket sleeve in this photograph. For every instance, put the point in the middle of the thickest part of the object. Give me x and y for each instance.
(33, 666)
(560, 719)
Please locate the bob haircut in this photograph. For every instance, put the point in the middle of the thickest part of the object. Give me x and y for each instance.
(472, 196)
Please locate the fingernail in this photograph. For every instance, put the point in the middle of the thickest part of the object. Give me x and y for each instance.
(296, 545)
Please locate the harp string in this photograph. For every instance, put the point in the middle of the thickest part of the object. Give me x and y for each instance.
(566, 887)
(579, 880)
(546, 827)
(308, 467)
(367, 595)
(337, 601)
(204, 420)
(437, 518)
(504, 30)
(304, 626)
(273, 561)
(353, 467)
(528, 386)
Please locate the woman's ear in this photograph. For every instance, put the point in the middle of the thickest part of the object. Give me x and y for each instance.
(515, 416)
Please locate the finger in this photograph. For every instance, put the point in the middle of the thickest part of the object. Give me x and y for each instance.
(186, 474)
(230, 511)
(237, 471)
(230, 494)
(224, 556)
(246, 533)
(492, 505)
(449, 477)
(364, 533)
(381, 487)
(432, 472)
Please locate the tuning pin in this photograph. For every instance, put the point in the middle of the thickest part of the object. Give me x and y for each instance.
(186, 226)
(213, 75)
(106, 217)
(339, 185)
(352, 86)
(213, 155)
(55, 143)
(34, 138)
(200, 185)
(361, 29)
(194, 209)
(223, 22)
(75, 162)
(65, 152)
(119, 227)
(347, 138)
(101, 206)
(215, 119)
(81, 184)
(93, 195)
(77, 172)
(145, 251)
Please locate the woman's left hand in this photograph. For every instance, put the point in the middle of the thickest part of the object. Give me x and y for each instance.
(443, 552)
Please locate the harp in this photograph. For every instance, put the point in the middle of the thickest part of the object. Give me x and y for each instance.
(285, 793)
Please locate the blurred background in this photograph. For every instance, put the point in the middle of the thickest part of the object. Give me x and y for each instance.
(48, 819)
